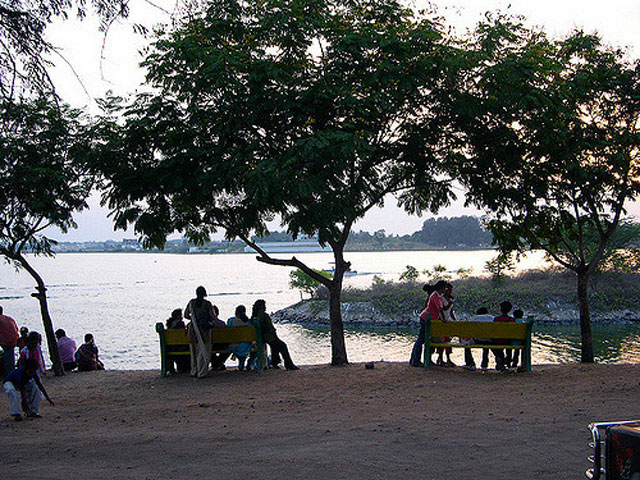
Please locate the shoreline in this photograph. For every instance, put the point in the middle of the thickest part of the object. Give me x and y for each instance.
(321, 422)
(315, 313)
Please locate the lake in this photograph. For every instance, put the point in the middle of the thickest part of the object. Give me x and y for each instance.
(120, 296)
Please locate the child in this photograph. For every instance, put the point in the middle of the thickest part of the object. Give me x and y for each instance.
(518, 317)
(503, 358)
(34, 351)
(240, 350)
(23, 386)
(482, 315)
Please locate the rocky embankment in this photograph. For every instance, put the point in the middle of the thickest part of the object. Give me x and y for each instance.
(365, 314)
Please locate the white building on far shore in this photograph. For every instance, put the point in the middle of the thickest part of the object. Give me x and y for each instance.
(290, 247)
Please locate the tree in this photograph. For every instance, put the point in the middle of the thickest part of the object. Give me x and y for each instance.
(24, 51)
(314, 111)
(553, 138)
(453, 232)
(303, 282)
(42, 146)
(410, 274)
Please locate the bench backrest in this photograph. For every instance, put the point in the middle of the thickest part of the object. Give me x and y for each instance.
(505, 330)
(218, 335)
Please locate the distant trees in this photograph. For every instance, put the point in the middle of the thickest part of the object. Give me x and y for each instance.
(314, 112)
(464, 231)
(553, 145)
(43, 146)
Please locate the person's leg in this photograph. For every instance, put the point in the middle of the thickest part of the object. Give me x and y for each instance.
(485, 359)
(14, 398)
(183, 364)
(498, 353)
(448, 352)
(33, 397)
(469, 362)
(241, 362)
(194, 359)
(279, 346)
(69, 366)
(507, 357)
(514, 358)
(222, 358)
(440, 351)
(416, 353)
(8, 359)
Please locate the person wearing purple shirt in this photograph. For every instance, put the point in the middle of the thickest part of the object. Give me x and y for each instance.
(67, 348)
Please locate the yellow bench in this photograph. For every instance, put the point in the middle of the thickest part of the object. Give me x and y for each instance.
(485, 330)
(175, 342)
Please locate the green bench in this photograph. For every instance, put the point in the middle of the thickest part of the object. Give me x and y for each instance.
(175, 342)
(492, 330)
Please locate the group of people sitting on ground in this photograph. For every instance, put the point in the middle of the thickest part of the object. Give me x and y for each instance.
(84, 358)
(439, 305)
(204, 316)
(23, 383)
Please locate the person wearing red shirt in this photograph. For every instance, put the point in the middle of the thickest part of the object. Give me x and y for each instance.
(503, 356)
(434, 306)
(8, 340)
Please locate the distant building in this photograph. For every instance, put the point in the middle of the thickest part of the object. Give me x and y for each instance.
(289, 247)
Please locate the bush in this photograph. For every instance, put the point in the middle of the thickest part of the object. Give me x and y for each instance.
(539, 291)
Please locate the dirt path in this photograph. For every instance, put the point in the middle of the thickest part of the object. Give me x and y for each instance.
(320, 423)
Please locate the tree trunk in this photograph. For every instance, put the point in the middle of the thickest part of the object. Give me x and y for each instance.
(338, 347)
(586, 348)
(41, 295)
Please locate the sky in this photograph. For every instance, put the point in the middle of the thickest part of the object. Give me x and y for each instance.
(81, 77)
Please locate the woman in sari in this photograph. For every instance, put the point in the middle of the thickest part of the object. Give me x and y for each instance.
(201, 314)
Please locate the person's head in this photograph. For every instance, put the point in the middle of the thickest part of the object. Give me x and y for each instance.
(88, 338)
(448, 288)
(439, 287)
(505, 307)
(30, 366)
(241, 311)
(176, 314)
(33, 340)
(260, 306)
(1, 310)
(60, 333)
(24, 331)
(482, 311)
(518, 313)
(201, 292)
(216, 310)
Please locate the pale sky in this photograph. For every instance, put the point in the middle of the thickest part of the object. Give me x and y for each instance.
(617, 21)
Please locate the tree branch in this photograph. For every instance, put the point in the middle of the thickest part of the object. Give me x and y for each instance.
(264, 257)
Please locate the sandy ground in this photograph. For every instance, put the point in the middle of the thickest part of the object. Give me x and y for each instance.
(321, 422)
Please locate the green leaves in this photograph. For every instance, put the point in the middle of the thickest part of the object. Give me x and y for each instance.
(44, 151)
(312, 111)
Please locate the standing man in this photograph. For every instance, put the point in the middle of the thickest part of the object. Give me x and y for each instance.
(8, 340)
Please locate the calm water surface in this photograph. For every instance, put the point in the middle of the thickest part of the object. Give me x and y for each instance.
(120, 297)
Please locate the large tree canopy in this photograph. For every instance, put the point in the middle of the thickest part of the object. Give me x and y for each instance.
(553, 141)
(314, 111)
(25, 53)
(43, 146)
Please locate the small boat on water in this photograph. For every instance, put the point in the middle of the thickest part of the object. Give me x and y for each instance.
(348, 273)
